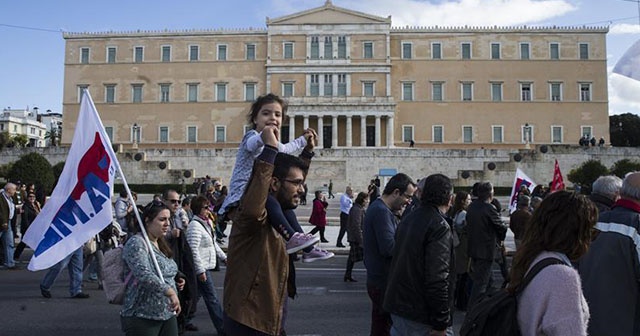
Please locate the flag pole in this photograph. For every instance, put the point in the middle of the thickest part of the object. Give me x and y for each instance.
(109, 150)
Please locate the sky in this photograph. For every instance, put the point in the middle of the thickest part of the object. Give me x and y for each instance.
(32, 46)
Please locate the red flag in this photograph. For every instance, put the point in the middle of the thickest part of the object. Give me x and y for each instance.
(558, 182)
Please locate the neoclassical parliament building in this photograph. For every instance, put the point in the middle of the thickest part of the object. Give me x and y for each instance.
(356, 79)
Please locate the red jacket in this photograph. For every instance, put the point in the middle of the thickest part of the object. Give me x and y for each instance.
(319, 213)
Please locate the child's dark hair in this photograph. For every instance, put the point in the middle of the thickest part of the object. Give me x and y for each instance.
(261, 101)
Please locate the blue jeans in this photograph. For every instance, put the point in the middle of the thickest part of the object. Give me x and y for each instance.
(405, 327)
(8, 242)
(208, 292)
(74, 263)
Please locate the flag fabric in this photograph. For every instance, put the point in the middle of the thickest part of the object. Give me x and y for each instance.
(558, 181)
(80, 205)
(520, 180)
(629, 64)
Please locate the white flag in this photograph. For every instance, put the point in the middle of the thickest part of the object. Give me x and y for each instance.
(80, 205)
(521, 180)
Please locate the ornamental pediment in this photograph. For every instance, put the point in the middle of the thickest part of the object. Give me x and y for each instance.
(328, 14)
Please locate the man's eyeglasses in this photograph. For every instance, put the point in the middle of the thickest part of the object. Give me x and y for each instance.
(296, 183)
(174, 201)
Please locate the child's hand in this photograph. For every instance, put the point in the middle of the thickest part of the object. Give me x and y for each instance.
(309, 132)
(311, 136)
(270, 136)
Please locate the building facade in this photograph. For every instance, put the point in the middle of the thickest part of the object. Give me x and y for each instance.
(352, 76)
(35, 126)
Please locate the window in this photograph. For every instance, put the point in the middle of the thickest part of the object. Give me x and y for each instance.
(111, 54)
(467, 134)
(136, 133)
(525, 91)
(136, 93)
(288, 50)
(367, 49)
(192, 134)
(328, 85)
(584, 51)
(249, 91)
(585, 92)
(109, 131)
(554, 51)
(436, 50)
(84, 55)
(192, 92)
(222, 52)
(138, 54)
(407, 133)
(314, 88)
(287, 89)
(407, 91)
(81, 89)
(466, 50)
(406, 50)
(556, 134)
(524, 51)
(438, 133)
(342, 85)
(586, 130)
(110, 93)
(368, 89)
(496, 134)
(328, 47)
(556, 91)
(32, 130)
(251, 52)
(495, 50)
(194, 53)
(496, 91)
(342, 47)
(467, 91)
(527, 133)
(221, 134)
(164, 134)
(221, 92)
(165, 93)
(436, 91)
(315, 47)
(166, 53)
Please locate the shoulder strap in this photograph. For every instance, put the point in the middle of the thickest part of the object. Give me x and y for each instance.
(536, 269)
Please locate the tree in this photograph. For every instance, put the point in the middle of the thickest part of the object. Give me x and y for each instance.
(586, 174)
(624, 166)
(33, 168)
(21, 140)
(57, 171)
(624, 130)
(6, 140)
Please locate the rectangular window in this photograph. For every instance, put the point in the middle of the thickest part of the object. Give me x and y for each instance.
(554, 51)
(342, 47)
(436, 51)
(164, 134)
(584, 51)
(406, 50)
(221, 92)
(407, 91)
(342, 85)
(136, 133)
(556, 91)
(110, 93)
(111, 54)
(138, 54)
(288, 50)
(81, 89)
(328, 47)
(407, 133)
(585, 92)
(496, 134)
(586, 130)
(467, 134)
(525, 91)
(192, 134)
(467, 91)
(221, 134)
(367, 50)
(328, 85)
(314, 88)
(165, 93)
(438, 134)
(84, 55)
(436, 91)
(287, 89)
(222, 52)
(496, 91)
(108, 130)
(249, 92)
(368, 89)
(466, 50)
(556, 134)
(527, 133)
(166, 53)
(193, 92)
(194, 53)
(315, 47)
(524, 51)
(136, 94)
(495, 51)
(251, 52)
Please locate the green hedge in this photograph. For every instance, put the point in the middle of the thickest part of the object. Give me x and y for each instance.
(154, 188)
(497, 191)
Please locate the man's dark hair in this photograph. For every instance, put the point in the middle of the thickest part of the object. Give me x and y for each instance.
(284, 162)
(165, 194)
(437, 190)
(263, 100)
(483, 191)
(399, 181)
(123, 193)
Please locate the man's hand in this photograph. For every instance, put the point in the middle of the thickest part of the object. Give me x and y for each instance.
(202, 276)
(312, 138)
(438, 332)
(270, 136)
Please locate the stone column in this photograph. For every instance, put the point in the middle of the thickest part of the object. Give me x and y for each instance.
(320, 132)
(377, 130)
(349, 131)
(292, 127)
(334, 131)
(305, 122)
(363, 130)
(390, 131)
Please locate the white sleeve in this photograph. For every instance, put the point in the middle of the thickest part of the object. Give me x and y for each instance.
(254, 143)
(193, 239)
(290, 147)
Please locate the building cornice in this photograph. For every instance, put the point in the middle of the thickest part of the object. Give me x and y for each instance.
(501, 29)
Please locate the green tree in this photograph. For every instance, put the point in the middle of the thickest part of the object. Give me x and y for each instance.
(6, 140)
(21, 140)
(33, 168)
(624, 130)
(624, 166)
(586, 174)
(4, 170)
(57, 171)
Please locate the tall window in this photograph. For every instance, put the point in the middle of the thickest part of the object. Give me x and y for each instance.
(467, 91)
(342, 85)
(438, 133)
(436, 91)
(407, 133)
(587, 130)
(221, 92)
(527, 133)
(495, 50)
(314, 87)
(584, 51)
(556, 91)
(328, 47)
(288, 50)
(108, 130)
(524, 51)
(585, 92)
(222, 52)
(436, 50)
(407, 91)
(287, 89)
(194, 53)
(467, 134)
(193, 92)
(192, 134)
(525, 91)
(84, 55)
(368, 89)
(328, 85)
(315, 47)
(166, 53)
(81, 88)
(164, 134)
(110, 93)
(466, 50)
(136, 93)
(249, 91)
(496, 91)
(221, 133)
(138, 54)
(367, 49)
(556, 134)
(111, 54)
(406, 50)
(251, 52)
(136, 133)
(496, 134)
(554, 51)
(342, 47)
(165, 92)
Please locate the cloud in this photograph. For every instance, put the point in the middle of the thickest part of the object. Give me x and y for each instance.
(624, 28)
(624, 94)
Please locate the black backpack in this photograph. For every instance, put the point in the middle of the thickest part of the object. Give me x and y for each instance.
(497, 315)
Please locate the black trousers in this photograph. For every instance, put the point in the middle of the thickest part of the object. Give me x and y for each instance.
(343, 227)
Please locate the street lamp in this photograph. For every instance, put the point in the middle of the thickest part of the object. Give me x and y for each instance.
(527, 135)
(135, 129)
